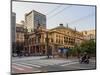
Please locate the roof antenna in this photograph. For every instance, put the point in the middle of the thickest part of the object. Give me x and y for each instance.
(75, 28)
(67, 25)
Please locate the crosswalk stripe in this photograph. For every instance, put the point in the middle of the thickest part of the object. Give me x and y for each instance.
(47, 63)
(22, 65)
(30, 64)
(18, 68)
(37, 71)
(40, 64)
(43, 64)
(69, 63)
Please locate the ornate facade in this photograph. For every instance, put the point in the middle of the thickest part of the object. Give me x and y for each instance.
(20, 31)
(36, 43)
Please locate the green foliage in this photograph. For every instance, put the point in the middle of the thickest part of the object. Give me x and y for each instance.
(75, 51)
(88, 46)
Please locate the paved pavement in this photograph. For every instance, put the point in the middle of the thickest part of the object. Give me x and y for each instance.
(37, 64)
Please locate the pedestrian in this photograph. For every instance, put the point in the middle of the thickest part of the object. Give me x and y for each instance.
(66, 54)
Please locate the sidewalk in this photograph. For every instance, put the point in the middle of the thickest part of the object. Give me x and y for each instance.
(44, 58)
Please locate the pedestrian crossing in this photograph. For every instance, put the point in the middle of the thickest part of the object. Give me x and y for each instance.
(17, 68)
(33, 65)
(22, 67)
(30, 65)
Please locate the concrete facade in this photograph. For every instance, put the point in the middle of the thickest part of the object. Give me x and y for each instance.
(33, 19)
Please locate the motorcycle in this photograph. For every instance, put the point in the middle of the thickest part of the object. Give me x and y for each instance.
(84, 59)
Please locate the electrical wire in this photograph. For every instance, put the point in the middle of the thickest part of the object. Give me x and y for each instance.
(85, 17)
(59, 12)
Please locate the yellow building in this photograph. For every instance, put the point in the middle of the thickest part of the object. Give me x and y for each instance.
(20, 31)
(59, 37)
(89, 34)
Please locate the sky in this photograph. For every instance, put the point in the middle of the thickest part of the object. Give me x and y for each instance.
(75, 16)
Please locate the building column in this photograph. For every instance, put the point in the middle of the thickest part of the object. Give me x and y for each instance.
(53, 51)
(40, 49)
(29, 49)
(35, 50)
(45, 49)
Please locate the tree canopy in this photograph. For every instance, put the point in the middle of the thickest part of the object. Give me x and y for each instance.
(88, 46)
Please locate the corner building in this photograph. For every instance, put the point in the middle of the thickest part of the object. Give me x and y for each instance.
(59, 37)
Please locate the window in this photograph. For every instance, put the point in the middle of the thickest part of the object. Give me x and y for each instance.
(85, 32)
(56, 35)
(56, 40)
(51, 40)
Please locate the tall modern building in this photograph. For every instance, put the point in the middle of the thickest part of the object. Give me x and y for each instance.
(34, 19)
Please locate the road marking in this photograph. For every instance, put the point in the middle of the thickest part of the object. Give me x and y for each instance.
(22, 65)
(30, 64)
(43, 64)
(70, 63)
(12, 71)
(37, 71)
(18, 68)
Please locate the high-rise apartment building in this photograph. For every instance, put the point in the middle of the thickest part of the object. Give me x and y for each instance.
(34, 19)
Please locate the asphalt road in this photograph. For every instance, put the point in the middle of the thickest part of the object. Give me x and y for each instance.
(42, 64)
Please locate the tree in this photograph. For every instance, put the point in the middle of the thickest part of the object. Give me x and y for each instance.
(76, 50)
(89, 46)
